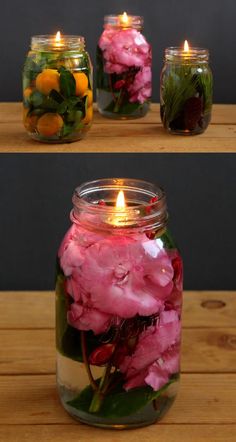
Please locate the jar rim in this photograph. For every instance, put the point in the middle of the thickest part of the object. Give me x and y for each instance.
(48, 42)
(195, 53)
(114, 20)
(146, 202)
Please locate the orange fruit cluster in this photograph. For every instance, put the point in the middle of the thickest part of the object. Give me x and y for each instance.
(51, 123)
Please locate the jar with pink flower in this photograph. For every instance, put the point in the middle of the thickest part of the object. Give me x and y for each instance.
(118, 306)
(123, 68)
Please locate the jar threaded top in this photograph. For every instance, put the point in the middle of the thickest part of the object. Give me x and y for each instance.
(95, 204)
(123, 21)
(50, 43)
(177, 54)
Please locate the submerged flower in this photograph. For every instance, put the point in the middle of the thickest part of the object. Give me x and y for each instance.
(125, 277)
(123, 49)
(85, 318)
(110, 277)
(156, 356)
(141, 88)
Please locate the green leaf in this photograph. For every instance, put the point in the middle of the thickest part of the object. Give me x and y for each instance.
(126, 108)
(67, 129)
(120, 403)
(36, 99)
(167, 239)
(31, 70)
(61, 310)
(54, 95)
(67, 83)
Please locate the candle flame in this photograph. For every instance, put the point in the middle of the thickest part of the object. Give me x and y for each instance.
(124, 19)
(58, 36)
(186, 46)
(120, 200)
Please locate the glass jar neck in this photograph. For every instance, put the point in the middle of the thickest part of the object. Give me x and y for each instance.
(123, 21)
(177, 55)
(95, 206)
(49, 43)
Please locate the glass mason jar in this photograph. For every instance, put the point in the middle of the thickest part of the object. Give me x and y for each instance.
(57, 89)
(123, 68)
(186, 91)
(118, 306)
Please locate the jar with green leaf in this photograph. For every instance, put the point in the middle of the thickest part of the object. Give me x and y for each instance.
(186, 91)
(124, 72)
(57, 89)
(118, 306)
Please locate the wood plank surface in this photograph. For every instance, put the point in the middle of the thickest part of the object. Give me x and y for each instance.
(203, 398)
(33, 352)
(201, 309)
(82, 433)
(205, 408)
(221, 114)
(143, 135)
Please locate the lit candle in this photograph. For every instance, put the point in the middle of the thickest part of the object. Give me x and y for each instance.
(58, 44)
(124, 68)
(186, 90)
(120, 216)
(186, 51)
(186, 46)
(120, 200)
(124, 20)
(54, 83)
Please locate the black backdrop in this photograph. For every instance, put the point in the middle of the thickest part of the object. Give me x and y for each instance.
(35, 202)
(36, 190)
(207, 23)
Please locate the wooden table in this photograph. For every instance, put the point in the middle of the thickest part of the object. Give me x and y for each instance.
(205, 410)
(143, 135)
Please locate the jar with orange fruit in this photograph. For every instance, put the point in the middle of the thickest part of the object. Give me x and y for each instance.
(57, 89)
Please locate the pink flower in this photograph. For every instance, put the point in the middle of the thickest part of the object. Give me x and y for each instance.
(123, 49)
(156, 356)
(74, 244)
(110, 277)
(125, 277)
(85, 318)
(141, 88)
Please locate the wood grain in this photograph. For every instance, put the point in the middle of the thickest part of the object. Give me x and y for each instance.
(203, 398)
(33, 352)
(205, 408)
(221, 114)
(201, 309)
(82, 433)
(143, 135)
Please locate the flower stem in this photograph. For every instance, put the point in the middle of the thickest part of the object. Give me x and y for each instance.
(86, 362)
(100, 393)
(119, 100)
(112, 92)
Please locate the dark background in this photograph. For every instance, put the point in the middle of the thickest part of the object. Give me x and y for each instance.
(36, 189)
(206, 23)
(35, 202)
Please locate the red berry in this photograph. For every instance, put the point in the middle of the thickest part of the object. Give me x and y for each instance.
(101, 203)
(153, 200)
(119, 84)
(101, 355)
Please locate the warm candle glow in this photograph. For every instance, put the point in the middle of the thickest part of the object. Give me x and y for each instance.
(58, 36)
(120, 200)
(58, 40)
(124, 19)
(186, 46)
